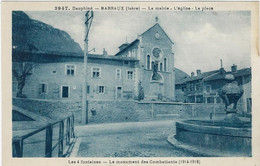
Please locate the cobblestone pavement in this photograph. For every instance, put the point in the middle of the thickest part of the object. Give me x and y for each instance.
(136, 139)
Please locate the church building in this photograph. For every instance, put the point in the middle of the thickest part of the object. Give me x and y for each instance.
(148, 62)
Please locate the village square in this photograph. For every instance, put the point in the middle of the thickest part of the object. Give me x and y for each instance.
(137, 100)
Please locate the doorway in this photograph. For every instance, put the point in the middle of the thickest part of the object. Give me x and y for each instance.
(65, 92)
(119, 92)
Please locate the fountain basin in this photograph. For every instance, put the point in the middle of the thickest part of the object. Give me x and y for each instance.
(222, 137)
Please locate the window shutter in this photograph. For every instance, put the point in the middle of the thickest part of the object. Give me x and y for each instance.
(40, 88)
(106, 89)
(97, 90)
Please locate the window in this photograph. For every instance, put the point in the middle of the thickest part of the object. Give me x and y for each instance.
(161, 67)
(53, 72)
(152, 64)
(96, 72)
(130, 75)
(165, 64)
(197, 87)
(210, 99)
(70, 70)
(125, 62)
(119, 92)
(191, 87)
(88, 89)
(148, 62)
(207, 89)
(218, 100)
(118, 73)
(183, 89)
(101, 89)
(65, 91)
(42, 88)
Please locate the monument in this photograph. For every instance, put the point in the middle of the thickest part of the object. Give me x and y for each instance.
(230, 136)
(156, 82)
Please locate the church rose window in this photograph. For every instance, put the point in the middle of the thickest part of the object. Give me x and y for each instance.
(157, 53)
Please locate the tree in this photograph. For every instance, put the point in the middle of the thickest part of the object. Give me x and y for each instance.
(140, 91)
(21, 71)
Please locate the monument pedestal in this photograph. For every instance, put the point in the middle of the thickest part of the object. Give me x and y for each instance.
(156, 88)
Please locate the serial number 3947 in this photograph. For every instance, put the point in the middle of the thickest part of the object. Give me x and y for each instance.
(61, 8)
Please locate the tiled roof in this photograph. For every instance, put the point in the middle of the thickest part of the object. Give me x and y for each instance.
(181, 81)
(202, 75)
(129, 45)
(109, 57)
(242, 72)
(72, 55)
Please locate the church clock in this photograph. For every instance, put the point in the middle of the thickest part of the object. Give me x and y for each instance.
(157, 35)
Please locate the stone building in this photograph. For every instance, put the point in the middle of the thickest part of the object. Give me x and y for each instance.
(58, 73)
(204, 87)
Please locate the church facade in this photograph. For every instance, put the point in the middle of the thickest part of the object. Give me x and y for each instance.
(147, 61)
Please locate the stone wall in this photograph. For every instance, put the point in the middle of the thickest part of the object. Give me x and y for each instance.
(117, 111)
(203, 110)
(53, 109)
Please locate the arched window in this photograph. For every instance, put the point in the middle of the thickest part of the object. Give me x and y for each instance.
(165, 64)
(152, 64)
(148, 62)
(161, 67)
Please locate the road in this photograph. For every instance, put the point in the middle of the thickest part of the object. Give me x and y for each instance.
(133, 139)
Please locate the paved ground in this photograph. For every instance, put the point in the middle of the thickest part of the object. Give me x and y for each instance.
(133, 139)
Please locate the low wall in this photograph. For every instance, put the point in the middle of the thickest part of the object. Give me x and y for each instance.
(55, 110)
(116, 111)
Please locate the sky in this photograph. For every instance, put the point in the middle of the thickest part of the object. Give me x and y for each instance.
(200, 39)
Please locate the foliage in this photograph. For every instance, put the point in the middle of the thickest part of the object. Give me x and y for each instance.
(21, 71)
(140, 92)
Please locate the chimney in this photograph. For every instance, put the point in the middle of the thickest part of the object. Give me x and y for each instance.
(234, 68)
(192, 74)
(198, 72)
(104, 51)
(221, 70)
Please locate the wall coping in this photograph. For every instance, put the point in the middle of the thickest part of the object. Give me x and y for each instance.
(46, 100)
(162, 102)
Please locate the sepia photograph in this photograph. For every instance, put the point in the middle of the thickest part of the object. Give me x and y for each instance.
(155, 85)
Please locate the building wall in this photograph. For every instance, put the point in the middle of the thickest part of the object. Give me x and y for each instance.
(43, 73)
(212, 96)
(109, 80)
(149, 42)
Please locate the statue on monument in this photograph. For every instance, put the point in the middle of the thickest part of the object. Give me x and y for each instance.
(156, 76)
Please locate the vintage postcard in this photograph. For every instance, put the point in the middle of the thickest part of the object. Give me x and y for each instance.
(130, 83)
